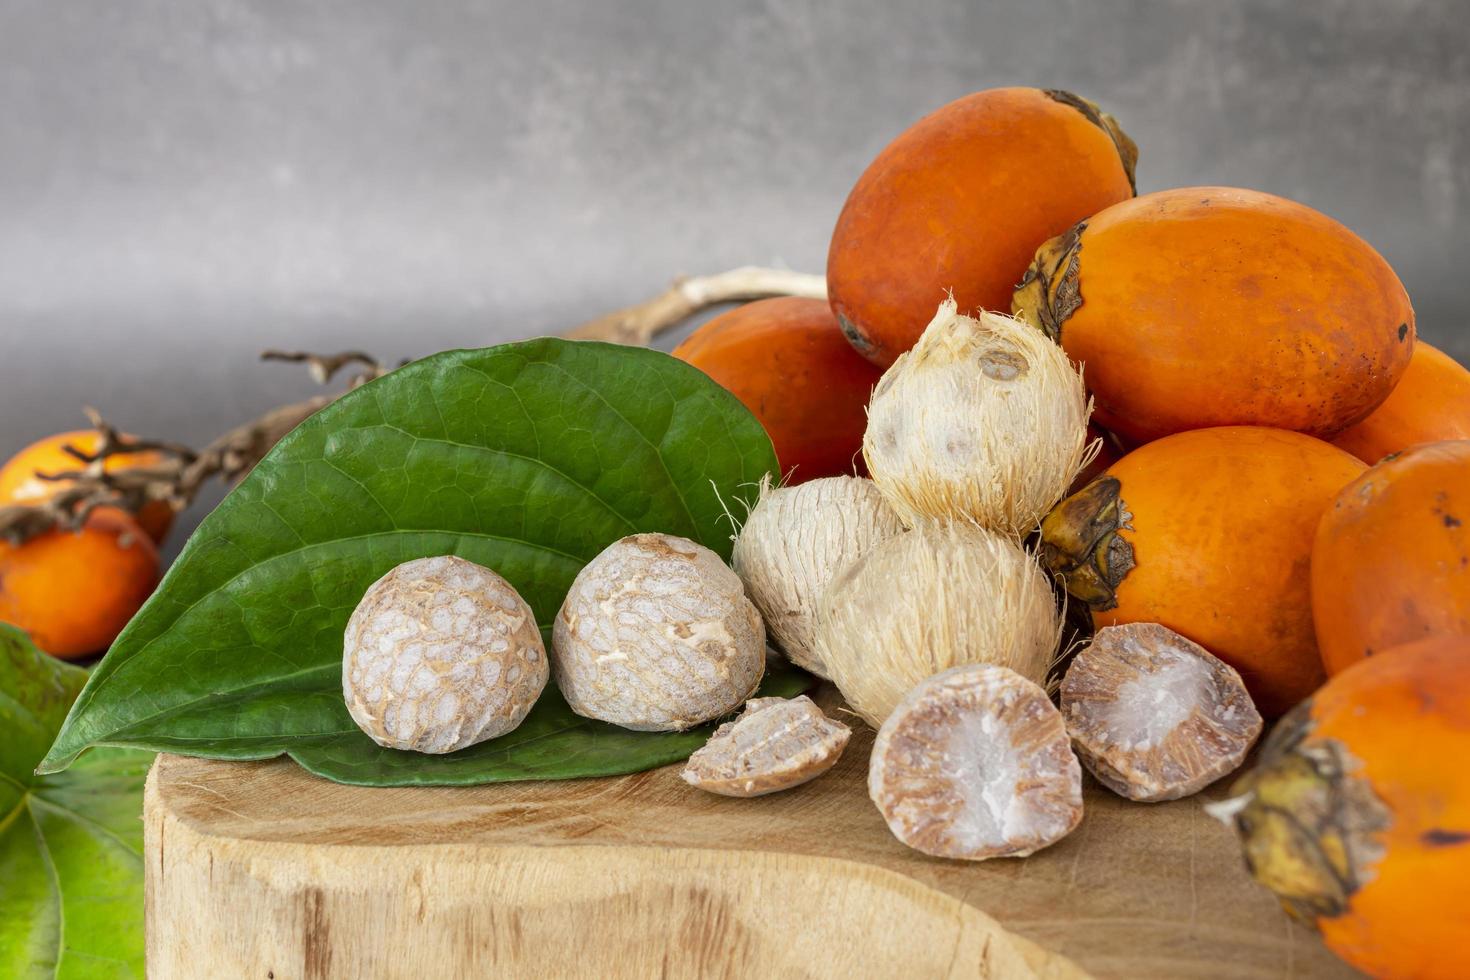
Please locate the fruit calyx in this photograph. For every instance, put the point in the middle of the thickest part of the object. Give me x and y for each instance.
(1127, 149)
(1309, 826)
(1080, 542)
(1049, 292)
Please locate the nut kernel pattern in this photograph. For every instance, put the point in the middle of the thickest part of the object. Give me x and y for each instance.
(439, 655)
(656, 634)
(1155, 716)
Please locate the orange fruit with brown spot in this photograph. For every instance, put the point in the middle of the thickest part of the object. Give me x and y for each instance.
(1214, 306)
(74, 591)
(1391, 562)
(1430, 404)
(1209, 533)
(19, 483)
(960, 201)
(1357, 813)
(786, 361)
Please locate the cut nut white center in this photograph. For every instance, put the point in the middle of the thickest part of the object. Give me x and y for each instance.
(1155, 716)
(974, 764)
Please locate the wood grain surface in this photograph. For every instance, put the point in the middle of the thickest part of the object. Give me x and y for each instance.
(261, 870)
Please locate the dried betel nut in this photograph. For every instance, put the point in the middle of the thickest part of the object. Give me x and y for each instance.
(975, 763)
(1154, 715)
(441, 654)
(775, 744)
(656, 634)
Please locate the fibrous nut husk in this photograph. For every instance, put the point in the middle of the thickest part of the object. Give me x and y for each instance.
(656, 634)
(775, 744)
(975, 763)
(794, 541)
(929, 599)
(984, 420)
(1155, 716)
(441, 654)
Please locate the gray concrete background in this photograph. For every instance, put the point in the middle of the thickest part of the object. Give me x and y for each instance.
(184, 182)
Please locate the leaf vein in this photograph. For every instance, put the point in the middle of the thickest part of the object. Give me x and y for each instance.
(658, 454)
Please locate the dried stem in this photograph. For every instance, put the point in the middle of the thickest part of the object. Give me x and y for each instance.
(324, 366)
(638, 325)
(181, 471)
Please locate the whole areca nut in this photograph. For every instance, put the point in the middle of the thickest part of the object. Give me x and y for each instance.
(441, 654)
(656, 634)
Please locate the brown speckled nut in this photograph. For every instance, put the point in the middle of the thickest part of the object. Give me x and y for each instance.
(441, 654)
(656, 634)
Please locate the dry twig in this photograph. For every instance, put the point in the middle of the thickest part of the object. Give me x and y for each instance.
(638, 325)
(181, 472)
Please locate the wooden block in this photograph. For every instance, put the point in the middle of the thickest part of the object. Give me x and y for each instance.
(260, 870)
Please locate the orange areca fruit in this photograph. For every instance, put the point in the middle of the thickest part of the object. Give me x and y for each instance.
(1209, 532)
(1391, 563)
(74, 591)
(19, 483)
(960, 201)
(786, 361)
(1358, 812)
(1212, 306)
(1430, 404)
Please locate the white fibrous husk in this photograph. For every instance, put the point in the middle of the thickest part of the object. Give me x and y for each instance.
(794, 541)
(656, 634)
(974, 763)
(985, 420)
(936, 597)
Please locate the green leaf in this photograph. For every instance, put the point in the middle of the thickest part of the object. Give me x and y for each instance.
(528, 458)
(71, 845)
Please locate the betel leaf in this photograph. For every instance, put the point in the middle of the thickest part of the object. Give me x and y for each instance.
(71, 845)
(528, 458)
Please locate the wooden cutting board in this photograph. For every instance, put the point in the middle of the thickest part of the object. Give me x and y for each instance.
(261, 870)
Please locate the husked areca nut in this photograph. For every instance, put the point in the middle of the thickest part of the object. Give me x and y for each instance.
(984, 420)
(975, 763)
(656, 634)
(794, 541)
(1155, 716)
(441, 654)
(775, 744)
